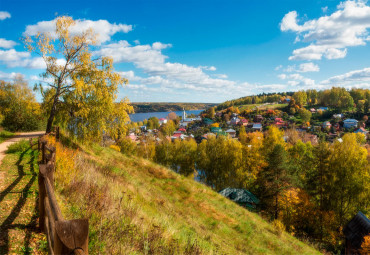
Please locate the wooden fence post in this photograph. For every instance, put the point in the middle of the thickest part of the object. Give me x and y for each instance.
(42, 195)
(43, 145)
(74, 234)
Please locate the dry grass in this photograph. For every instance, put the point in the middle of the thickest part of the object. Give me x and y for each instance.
(137, 207)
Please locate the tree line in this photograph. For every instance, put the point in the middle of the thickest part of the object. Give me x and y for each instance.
(336, 97)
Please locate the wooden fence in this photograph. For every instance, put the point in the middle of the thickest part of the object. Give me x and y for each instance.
(64, 236)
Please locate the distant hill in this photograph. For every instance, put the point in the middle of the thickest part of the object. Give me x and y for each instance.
(167, 107)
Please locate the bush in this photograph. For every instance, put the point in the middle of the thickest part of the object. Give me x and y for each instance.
(115, 147)
(278, 226)
(20, 146)
(127, 146)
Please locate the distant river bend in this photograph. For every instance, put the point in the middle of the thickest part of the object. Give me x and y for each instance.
(146, 115)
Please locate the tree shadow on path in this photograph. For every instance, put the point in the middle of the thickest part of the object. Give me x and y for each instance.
(7, 224)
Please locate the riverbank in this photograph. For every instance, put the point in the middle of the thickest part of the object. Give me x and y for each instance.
(146, 115)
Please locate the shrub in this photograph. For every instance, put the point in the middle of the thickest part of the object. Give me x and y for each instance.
(127, 146)
(20, 146)
(278, 226)
(115, 147)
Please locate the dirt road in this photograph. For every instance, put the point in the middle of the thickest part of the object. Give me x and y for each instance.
(20, 136)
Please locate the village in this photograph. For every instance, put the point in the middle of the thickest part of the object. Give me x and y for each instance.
(325, 124)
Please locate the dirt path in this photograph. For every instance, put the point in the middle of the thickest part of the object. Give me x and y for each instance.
(16, 138)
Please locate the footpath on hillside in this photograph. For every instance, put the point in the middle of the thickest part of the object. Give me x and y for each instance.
(19, 200)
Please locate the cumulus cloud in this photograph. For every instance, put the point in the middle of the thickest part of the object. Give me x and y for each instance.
(356, 76)
(151, 61)
(8, 76)
(329, 36)
(308, 67)
(297, 80)
(13, 58)
(303, 68)
(102, 28)
(4, 15)
(6, 44)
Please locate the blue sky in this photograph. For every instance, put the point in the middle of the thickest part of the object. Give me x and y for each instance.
(205, 51)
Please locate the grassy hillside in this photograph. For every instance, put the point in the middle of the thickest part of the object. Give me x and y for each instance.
(138, 207)
(166, 107)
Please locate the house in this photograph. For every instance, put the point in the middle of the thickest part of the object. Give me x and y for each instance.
(338, 116)
(312, 110)
(143, 128)
(216, 129)
(162, 121)
(235, 121)
(257, 127)
(244, 122)
(354, 232)
(242, 197)
(182, 130)
(231, 132)
(323, 108)
(326, 124)
(279, 122)
(208, 135)
(349, 123)
(362, 131)
(258, 118)
(132, 137)
(207, 121)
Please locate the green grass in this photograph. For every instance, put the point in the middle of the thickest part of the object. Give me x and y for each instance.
(137, 207)
(261, 106)
(18, 204)
(4, 135)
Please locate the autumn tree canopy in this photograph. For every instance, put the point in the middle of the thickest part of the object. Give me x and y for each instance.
(80, 90)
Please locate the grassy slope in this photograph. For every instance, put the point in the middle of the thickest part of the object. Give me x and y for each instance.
(137, 207)
(18, 205)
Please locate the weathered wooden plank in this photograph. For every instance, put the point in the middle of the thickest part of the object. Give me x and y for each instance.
(52, 200)
(74, 234)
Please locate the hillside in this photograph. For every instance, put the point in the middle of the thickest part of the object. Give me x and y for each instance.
(136, 206)
(167, 107)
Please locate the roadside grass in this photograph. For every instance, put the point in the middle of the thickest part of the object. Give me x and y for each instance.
(5, 135)
(135, 206)
(19, 204)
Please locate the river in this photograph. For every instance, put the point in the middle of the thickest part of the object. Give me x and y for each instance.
(146, 115)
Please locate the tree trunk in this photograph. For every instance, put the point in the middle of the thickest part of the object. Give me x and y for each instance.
(52, 112)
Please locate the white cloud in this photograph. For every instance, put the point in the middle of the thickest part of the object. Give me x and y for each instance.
(150, 59)
(4, 15)
(329, 36)
(137, 42)
(278, 67)
(221, 76)
(356, 76)
(296, 80)
(8, 76)
(13, 58)
(208, 68)
(324, 9)
(303, 68)
(102, 28)
(6, 44)
(308, 67)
